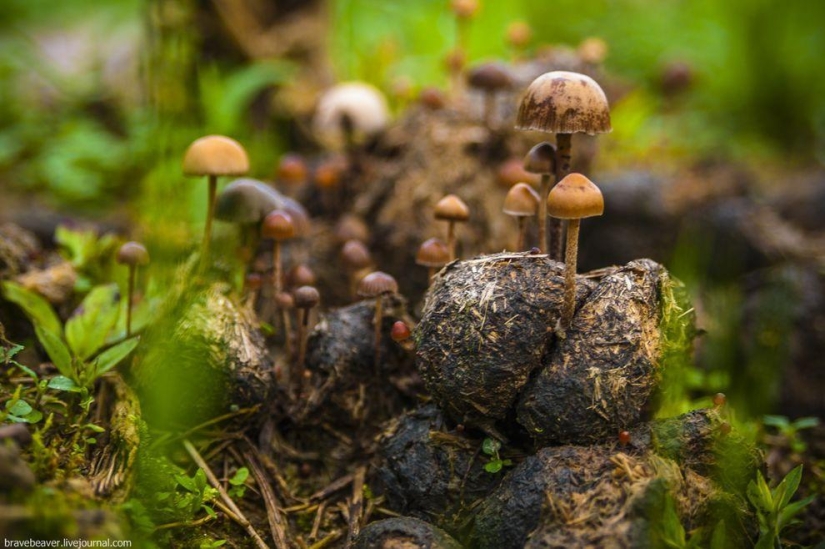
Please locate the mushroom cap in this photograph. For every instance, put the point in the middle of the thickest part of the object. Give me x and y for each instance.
(328, 173)
(377, 283)
(489, 77)
(306, 297)
(400, 331)
(351, 227)
(301, 275)
(355, 103)
(292, 169)
(248, 200)
(433, 253)
(464, 9)
(519, 34)
(593, 50)
(521, 201)
(575, 197)
(564, 102)
(355, 255)
(254, 281)
(512, 171)
(215, 155)
(278, 225)
(452, 208)
(541, 159)
(132, 253)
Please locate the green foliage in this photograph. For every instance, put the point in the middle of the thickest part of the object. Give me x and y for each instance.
(77, 350)
(774, 508)
(491, 447)
(237, 483)
(790, 429)
(90, 254)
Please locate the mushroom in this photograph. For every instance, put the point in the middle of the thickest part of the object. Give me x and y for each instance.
(377, 284)
(401, 334)
(521, 202)
(433, 254)
(252, 285)
(356, 258)
(349, 113)
(213, 156)
(452, 210)
(131, 254)
(305, 298)
(464, 11)
(351, 227)
(278, 226)
(518, 36)
(300, 275)
(542, 160)
(573, 198)
(564, 103)
(292, 170)
(489, 78)
(512, 171)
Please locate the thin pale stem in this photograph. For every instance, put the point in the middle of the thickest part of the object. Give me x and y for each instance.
(563, 160)
(489, 108)
(522, 232)
(377, 321)
(207, 230)
(302, 345)
(451, 239)
(570, 272)
(132, 270)
(544, 189)
(277, 274)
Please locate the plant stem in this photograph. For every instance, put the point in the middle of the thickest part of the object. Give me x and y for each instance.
(563, 159)
(207, 230)
(544, 190)
(570, 273)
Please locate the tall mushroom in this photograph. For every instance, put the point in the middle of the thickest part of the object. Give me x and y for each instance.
(452, 210)
(278, 226)
(131, 254)
(348, 113)
(564, 103)
(306, 297)
(213, 156)
(489, 79)
(542, 160)
(377, 284)
(573, 198)
(521, 202)
(356, 258)
(433, 254)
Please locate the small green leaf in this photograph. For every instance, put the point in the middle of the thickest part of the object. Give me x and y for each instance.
(35, 306)
(63, 383)
(19, 408)
(240, 477)
(8, 354)
(780, 422)
(805, 423)
(89, 325)
(718, 540)
(209, 511)
(490, 446)
(493, 466)
(111, 357)
(791, 510)
(787, 488)
(186, 482)
(56, 350)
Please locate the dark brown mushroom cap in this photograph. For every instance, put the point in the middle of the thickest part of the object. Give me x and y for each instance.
(575, 197)
(306, 297)
(132, 253)
(541, 159)
(433, 253)
(377, 283)
(355, 255)
(278, 225)
(521, 201)
(564, 102)
(452, 208)
(489, 77)
(300, 275)
(215, 155)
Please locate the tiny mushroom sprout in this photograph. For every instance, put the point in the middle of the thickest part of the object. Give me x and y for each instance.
(573, 198)
(214, 156)
(278, 226)
(376, 285)
(348, 113)
(401, 334)
(433, 254)
(356, 258)
(564, 103)
(292, 170)
(305, 298)
(542, 160)
(489, 78)
(452, 210)
(521, 202)
(131, 254)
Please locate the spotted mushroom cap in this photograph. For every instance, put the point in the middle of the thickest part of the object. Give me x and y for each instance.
(377, 283)
(361, 105)
(521, 201)
(433, 253)
(575, 197)
(452, 208)
(564, 102)
(215, 155)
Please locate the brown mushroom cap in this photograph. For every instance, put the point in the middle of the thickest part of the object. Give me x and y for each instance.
(512, 171)
(132, 253)
(521, 201)
(351, 227)
(564, 102)
(215, 155)
(541, 159)
(489, 77)
(278, 225)
(300, 275)
(377, 283)
(575, 197)
(355, 255)
(433, 253)
(292, 169)
(464, 9)
(519, 34)
(452, 208)
(306, 297)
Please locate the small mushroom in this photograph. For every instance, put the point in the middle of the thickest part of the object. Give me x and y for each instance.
(376, 285)
(351, 227)
(512, 171)
(278, 226)
(489, 78)
(356, 258)
(521, 202)
(564, 103)
(573, 198)
(542, 160)
(214, 156)
(252, 285)
(433, 254)
(452, 210)
(131, 254)
(518, 36)
(401, 334)
(305, 298)
(292, 170)
(300, 275)
(348, 114)
(432, 98)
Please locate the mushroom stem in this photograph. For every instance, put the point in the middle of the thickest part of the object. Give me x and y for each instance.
(544, 190)
(451, 239)
(430, 275)
(302, 345)
(570, 272)
(277, 274)
(210, 212)
(563, 160)
(132, 270)
(522, 232)
(489, 107)
(377, 325)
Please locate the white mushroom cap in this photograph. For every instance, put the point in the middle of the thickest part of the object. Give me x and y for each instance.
(364, 105)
